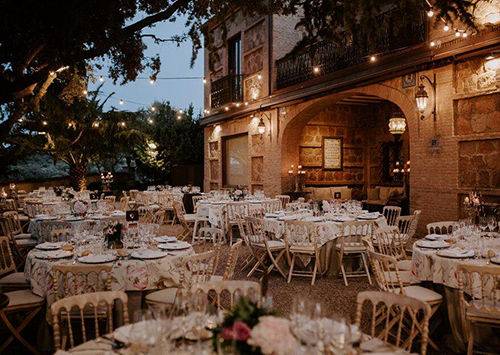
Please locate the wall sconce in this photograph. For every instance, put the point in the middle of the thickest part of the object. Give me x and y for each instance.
(261, 126)
(422, 96)
(493, 60)
(397, 124)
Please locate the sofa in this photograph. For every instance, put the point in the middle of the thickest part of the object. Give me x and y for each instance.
(329, 193)
(380, 195)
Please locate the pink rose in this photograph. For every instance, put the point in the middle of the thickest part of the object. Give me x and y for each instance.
(239, 331)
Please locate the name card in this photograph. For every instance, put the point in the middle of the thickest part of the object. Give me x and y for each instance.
(333, 153)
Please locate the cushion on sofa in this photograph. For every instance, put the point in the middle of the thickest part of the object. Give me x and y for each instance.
(336, 190)
(385, 193)
(322, 193)
(373, 193)
(345, 193)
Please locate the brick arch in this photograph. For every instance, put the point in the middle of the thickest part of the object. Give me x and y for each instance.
(302, 113)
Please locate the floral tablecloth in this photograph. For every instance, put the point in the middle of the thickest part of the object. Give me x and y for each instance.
(127, 275)
(35, 225)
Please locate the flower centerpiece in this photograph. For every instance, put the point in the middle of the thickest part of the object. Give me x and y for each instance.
(80, 208)
(113, 234)
(238, 325)
(474, 204)
(237, 194)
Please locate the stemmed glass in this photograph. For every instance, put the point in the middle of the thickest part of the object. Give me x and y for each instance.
(483, 224)
(492, 224)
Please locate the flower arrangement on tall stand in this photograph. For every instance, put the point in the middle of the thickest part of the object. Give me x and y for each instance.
(113, 234)
(237, 194)
(474, 205)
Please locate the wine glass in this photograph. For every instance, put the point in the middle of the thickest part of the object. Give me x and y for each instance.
(483, 224)
(492, 224)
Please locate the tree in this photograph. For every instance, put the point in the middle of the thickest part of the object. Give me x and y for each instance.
(174, 138)
(42, 40)
(78, 133)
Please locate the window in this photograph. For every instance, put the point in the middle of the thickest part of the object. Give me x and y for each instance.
(234, 48)
(235, 160)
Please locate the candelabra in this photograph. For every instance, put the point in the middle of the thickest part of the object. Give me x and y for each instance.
(401, 172)
(106, 181)
(298, 176)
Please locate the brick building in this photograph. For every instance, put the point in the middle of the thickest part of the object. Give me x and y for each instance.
(342, 92)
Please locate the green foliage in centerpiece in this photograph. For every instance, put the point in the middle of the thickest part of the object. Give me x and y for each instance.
(237, 194)
(113, 234)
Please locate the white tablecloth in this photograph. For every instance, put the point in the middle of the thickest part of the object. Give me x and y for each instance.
(127, 275)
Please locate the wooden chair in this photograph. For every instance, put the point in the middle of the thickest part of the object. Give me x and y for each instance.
(25, 305)
(297, 206)
(80, 279)
(98, 302)
(440, 227)
(272, 206)
(408, 225)
(395, 319)
(214, 235)
(232, 261)
(187, 220)
(391, 214)
(301, 241)
(233, 289)
(478, 287)
(196, 199)
(34, 208)
(234, 211)
(390, 241)
(350, 246)
(284, 199)
(21, 220)
(195, 268)
(47, 227)
(10, 278)
(21, 247)
(17, 228)
(388, 276)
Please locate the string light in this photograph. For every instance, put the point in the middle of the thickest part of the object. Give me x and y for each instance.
(95, 124)
(45, 123)
(152, 80)
(85, 92)
(246, 103)
(446, 28)
(180, 111)
(101, 79)
(432, 44)
(179, 117)
(238, 104)
(122, 123)
(316, 70)
(204, 81)
(457, 33)
(259, 77)
(153, 109)
(226, 108)
(150, 121)
(121, 102)
(430, 13)
(52, 73)
(464, 34)
(373, 58)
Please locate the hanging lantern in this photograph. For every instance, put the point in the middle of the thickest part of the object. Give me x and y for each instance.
(397, 123)
(262, 126)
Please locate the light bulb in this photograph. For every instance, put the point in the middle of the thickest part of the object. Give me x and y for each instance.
(101, 78)
(180, 111)
(45, 123)
(122, 123)
(246, 103)
(457, 34)
(179, 117)
(432, 44)
(464, 34)
(121, 102)
(430, 13)
(153, 109)
(259, 77)
(204, 81)
(85, 92)
(226, 108)
(446, 28)
(316, 70)
(373, 58)
(152, 81)
(150, 121)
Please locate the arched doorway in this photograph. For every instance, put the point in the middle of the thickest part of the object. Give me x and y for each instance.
(360, 116)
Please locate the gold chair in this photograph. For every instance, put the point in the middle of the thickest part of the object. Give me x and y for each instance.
(388, 276)
(10, 278)
(396, 319)
(61, 235)
(301, 240)
(390, 241)
(478, 287)
(21, 247)
(391, 214)
(16, 225)
(235, 210)
(440, 227)
(98, 302)
(195, 268)
(272, 206)
(233, 289)
(284, 199)
(187, 220)
(350, 246)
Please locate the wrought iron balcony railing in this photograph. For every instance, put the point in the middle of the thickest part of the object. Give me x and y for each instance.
(330, 57)
(226, 90)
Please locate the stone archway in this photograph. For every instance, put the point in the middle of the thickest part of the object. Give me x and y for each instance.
(300, 115)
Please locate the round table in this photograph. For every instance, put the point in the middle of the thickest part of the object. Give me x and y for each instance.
(440, 274)
(127, 275)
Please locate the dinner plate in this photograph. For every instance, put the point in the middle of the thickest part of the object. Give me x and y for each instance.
(73, 219)
(166, 239)
(456, 253)
(437, 237)
(287, 218)
(432, 244)
(342, 219)
(54, 254)
(174, 246)
(149, 254)
(368, 216)
(313, 219)
(49, 246)
(97, 259)
(495, 260)
(46, 218)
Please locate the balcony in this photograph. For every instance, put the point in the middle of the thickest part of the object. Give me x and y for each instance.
(226, 90)
(330, 57)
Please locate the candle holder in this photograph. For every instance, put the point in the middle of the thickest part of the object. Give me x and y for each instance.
(106, 181)
(401, 172)
(298, 175)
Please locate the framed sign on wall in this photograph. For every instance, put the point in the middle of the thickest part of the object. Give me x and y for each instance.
(333, 153)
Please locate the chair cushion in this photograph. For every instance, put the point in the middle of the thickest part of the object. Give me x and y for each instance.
(406, 277)
(164, 296)
(422, 293)
(351, 249)
(26, 242)
(190, 217)
(22, 298)
(14, 278)
(23, 236)
(385, 193)
(273, 244)
(215, 278)
(405, 265)
(23, 218)
(304, 249)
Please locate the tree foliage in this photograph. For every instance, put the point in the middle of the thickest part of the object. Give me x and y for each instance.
(42, 40)
(174, 138)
